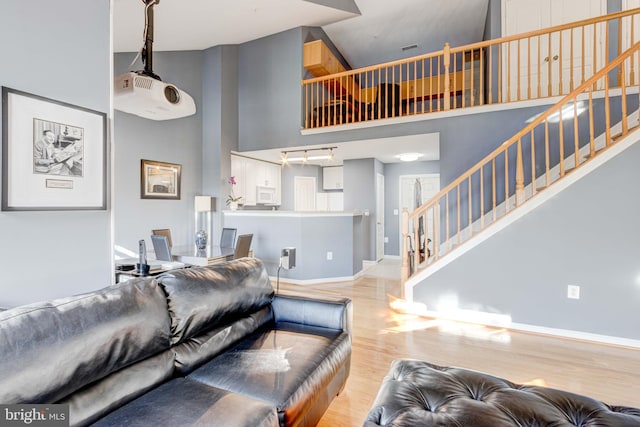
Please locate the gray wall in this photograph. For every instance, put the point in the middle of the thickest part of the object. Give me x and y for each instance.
(220, 129)
(312, 236)
(359, 190)
(392, 174)
(175, 141)
(269, 101)
(524, 270)
(53, 254)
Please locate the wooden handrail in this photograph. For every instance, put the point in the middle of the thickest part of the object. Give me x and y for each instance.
(458, 77)
(584, 92)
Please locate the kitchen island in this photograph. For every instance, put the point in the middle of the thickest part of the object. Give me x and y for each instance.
(329, 245)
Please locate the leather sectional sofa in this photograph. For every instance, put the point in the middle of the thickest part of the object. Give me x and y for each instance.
(206, 346)
(416, 393)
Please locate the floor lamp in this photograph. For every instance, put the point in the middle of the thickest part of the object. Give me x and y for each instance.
(203, 206)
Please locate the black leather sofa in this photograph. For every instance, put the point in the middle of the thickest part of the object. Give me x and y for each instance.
(202, 346)
(416, 393)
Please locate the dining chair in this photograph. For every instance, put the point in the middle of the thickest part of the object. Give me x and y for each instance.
(243, 245)
(228, 237)
(164, 232)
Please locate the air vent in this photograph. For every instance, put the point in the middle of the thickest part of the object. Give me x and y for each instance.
(143, 83)
(411, 46)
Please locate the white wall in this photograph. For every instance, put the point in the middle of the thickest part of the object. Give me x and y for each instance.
(58, 50)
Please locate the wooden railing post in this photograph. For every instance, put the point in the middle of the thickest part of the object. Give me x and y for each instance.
(520, 199)
(447, 83)
(404, 271)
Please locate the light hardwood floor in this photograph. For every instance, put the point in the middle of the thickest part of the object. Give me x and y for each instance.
(604, 372)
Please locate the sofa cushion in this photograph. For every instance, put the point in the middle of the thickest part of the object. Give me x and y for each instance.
(195, 351)
(419, 393)
(51, 349)
(202, 298)
(107, 394)
(288, 366)
(181, 402)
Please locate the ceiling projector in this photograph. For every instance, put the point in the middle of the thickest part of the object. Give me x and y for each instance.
(151, 98)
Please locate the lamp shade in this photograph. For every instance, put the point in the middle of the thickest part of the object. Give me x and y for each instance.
(204, 204)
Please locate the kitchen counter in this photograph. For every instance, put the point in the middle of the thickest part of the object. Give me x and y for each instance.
(329, 245)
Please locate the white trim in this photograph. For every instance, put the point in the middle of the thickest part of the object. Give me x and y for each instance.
(578, 335)
(392, 257)
(523, 327)
(438, 115)
(317, 281)
(289, 214)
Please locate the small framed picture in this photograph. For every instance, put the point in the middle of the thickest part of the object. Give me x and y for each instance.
(54, 154)
(159, 180)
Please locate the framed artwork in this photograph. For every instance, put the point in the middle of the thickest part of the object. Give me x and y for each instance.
(159, 180)
(54, 154)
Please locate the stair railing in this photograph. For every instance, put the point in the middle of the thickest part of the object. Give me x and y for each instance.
(569, 134)
(538, 64)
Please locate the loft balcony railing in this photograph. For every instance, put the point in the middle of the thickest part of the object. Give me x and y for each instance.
(582, 125)
(538, 64)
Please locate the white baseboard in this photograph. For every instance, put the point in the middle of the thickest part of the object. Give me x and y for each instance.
(368, 263)
(497, 321)
(317, 281)
(577, 335)
(392, 257)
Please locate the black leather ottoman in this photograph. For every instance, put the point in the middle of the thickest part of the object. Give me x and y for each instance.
(416, 393)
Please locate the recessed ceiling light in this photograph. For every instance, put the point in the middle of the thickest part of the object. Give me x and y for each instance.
(409, 157)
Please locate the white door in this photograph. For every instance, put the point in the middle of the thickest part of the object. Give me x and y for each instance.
(567, 61)
(379, 217)
(304, 193)
(526, 76)
(521, 16)
(430, 186)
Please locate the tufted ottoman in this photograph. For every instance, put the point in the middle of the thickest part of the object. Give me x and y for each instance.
(416, 393)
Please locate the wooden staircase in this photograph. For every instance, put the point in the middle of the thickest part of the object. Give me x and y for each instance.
(524, 166)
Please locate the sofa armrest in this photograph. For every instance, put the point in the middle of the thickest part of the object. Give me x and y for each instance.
(324, 313)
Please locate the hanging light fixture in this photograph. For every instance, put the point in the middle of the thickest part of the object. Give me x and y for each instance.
(307, 155)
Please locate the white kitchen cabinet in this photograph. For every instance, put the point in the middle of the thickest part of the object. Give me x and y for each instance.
(335, 202)
(238, 172)
(331, 202)
(251, 174)
(332, 178)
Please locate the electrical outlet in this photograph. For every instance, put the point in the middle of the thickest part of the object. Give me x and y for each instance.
(395, 211)
(386, 240)
(573, 292)
(329, 256)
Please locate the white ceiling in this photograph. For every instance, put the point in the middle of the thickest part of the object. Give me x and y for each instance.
(200, 24)
(383, 149)
(375, 35)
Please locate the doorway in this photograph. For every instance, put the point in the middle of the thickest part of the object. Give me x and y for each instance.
(429, 186)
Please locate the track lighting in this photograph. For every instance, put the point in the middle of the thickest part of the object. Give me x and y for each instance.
(306, 156)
